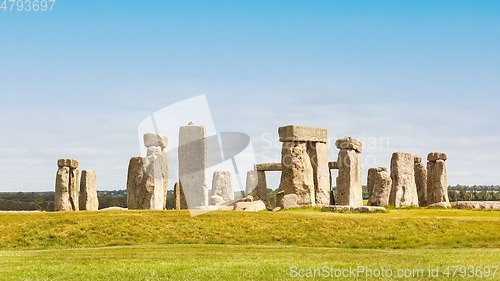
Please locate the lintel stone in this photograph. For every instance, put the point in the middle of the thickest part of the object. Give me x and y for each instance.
(302, 133)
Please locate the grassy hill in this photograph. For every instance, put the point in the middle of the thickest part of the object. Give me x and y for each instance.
(228, 245)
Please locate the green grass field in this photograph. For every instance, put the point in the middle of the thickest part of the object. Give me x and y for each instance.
(226, 245)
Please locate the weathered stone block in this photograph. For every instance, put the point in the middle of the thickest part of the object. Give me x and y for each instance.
(302, 133)
(404, 189)
(88, 191)
(379, 186)
(349, 143)
(437, 184)
(250, 206)
(61, 202)
(222, 185)
(256, 185)
(420, 180)
(215, 200)
(434, 156)
(67, 162)
(179, 199)
(349, 189)
(297, 176)
(268, 167)
(318, 154)
(289, 201)
(146, 183)
(193, 164)
(151, 139)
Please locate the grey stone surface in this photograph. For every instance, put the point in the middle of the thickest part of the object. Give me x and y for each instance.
(250, 206)
(207, 208)
(179, 199)
(349, 189)
(404, 189)
(88, 191)
(279, 195)
(336, 208)
(268, 167)
(379, 186)
(437, 183)
(420, 180)
(302, 133)
(434, 156)
(318, 154)
(151, 139)
(193, 164)
(482, 205)
(348, 143)
(440, 205)
(147, 183)
(67, 162)
(256, 185)
(222, 185)
(61, 201)
(297, 176)
(215, 200)
(289, 201)
(74, 189)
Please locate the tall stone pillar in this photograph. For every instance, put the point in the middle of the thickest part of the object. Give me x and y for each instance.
(66, 195)
(147, 179)
(193, 165)
(420, 180)
(437, 183)
(304, 160)
(349, 189)
(404, 189)
(88, 191)
(379, 186)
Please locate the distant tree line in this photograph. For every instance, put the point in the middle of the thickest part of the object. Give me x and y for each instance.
(44, 201)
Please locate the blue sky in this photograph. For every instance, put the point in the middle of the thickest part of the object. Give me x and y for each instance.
(78, 81)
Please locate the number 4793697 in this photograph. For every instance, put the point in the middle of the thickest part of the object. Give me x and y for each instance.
(27, 5)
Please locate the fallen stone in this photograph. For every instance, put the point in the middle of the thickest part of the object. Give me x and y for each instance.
(88, 191)
(480, 205)
(349, 143)
(434, 156)
(293, 133)
(114, 208)
(207, 208)
(214, 200)
(336, 208)
(225, 208)
(67, 162)
(289, 201)
(367, 209)
(404, 189)
(151, 139)
(250, 206)
(276, 209)
(440, 205)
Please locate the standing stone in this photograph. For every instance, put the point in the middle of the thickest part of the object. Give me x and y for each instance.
(437, 184)
(61, 201)
(349, 189)
(404, 189)
(289, 201)
(318, 153)
(297, 174)
(222, 185)
(193, 164)
(379, 186)
(66, 195)
(88, 191)
(179, 199)
(147, 179)
(145, 184)
(256, 185)
(420, 180)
